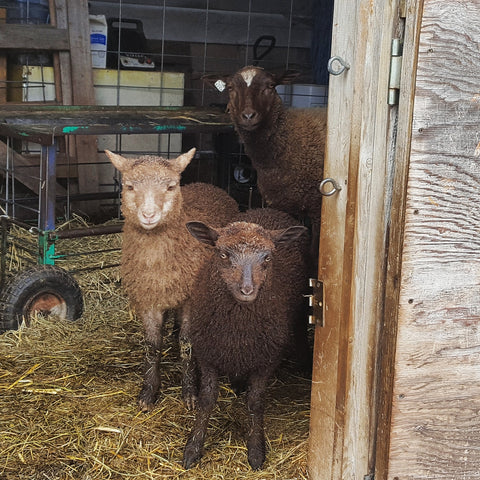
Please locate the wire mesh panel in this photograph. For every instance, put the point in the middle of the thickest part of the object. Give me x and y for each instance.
(194, 38)
(144, 53)
(155, 53)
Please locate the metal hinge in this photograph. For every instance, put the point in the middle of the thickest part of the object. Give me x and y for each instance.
(315, 302)
(395, 71)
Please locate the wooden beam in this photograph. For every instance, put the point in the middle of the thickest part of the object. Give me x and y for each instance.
(80, 54)
(63, 77)
(335, 251)
(33, 37)
(62, 66)
(388, 335)
(24, 170)
(82, 91)
(40, 123)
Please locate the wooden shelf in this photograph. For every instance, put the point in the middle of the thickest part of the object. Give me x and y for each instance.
(43, 123)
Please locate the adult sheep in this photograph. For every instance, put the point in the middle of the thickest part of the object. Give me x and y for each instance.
(286, 146)
(160, 259)
(249, 294)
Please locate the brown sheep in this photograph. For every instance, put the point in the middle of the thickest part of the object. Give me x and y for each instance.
(249, 295)
(160, 259)
(286, 146)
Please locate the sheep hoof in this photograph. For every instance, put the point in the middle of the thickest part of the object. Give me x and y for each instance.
(256, 451)
(256, 458)
(147, 400)
(145, 407)
(191, 455)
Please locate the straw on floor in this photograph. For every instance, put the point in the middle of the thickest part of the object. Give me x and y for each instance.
(68, 403)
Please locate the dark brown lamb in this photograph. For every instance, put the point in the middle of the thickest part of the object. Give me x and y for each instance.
(286, 146)
(247, 299)
(160, 259)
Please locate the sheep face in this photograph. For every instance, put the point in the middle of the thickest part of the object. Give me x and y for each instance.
(252, 96)
(244, 254)
(244, 261)
(151, 187)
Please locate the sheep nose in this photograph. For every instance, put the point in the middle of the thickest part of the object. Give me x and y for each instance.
(247, 289)
(249, 115)
(247, 280)
(148, 215)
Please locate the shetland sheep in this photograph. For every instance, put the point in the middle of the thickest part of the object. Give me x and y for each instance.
(246, 299)
(286, 146)
(160, 259)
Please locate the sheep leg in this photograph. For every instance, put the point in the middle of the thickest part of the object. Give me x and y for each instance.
(152, 323)
(189, 367)
(206, 401)
(255, 402)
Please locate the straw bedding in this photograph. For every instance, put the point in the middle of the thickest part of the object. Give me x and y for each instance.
(68, 403)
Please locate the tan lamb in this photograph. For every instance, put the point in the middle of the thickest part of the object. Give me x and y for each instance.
(160, 259)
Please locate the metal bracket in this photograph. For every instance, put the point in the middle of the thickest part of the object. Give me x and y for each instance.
(315, 302)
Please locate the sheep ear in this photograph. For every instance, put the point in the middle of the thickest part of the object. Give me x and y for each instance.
(286, 237)
(183, 160)
(120, 163)
(202, 232)
(287, 77)
(217, 81)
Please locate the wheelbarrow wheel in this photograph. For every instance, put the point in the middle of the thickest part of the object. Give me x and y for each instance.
(44, 290)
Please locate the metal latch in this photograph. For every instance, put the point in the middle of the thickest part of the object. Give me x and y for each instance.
(395, 71)
(315, 302)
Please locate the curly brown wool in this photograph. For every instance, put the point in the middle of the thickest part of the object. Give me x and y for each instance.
(247, 311)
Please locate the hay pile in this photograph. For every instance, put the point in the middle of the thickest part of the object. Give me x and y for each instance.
(68, 404)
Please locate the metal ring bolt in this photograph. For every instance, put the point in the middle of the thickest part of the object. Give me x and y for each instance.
(339, 71)
(336, 187)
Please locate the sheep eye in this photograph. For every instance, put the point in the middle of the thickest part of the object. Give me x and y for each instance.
(171, 187)
(129, 186)
(223, 255)
(268, 258)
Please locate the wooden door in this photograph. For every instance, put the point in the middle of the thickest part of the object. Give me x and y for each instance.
(433, 430)
(360, 158)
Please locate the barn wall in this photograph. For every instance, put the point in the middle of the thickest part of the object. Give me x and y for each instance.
(435, 430)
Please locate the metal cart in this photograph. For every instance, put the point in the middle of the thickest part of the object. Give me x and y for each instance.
(43, 286)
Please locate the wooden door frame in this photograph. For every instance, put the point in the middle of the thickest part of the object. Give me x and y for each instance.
(361, 229)
(388, 337)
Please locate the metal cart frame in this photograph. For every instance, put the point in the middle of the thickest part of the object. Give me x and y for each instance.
(46, 124)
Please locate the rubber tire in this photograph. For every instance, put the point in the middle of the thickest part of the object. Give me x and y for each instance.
(43, 288)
